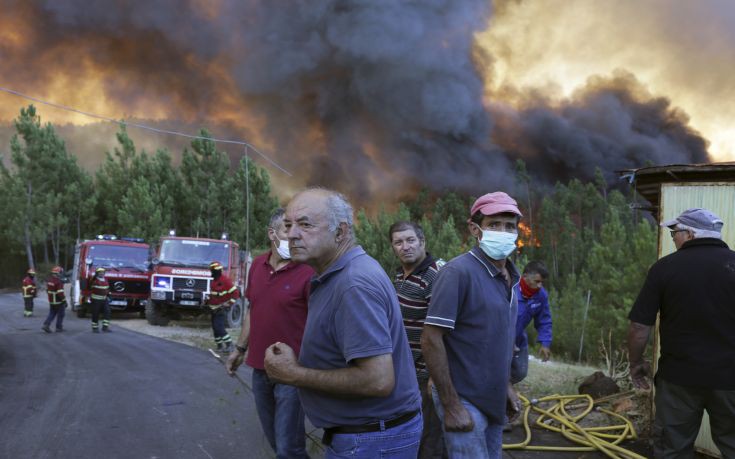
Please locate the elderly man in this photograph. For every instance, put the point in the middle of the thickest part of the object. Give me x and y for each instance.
(278, 292)
(469, 332)
(692, 291)
(413, 282)
(355, 374)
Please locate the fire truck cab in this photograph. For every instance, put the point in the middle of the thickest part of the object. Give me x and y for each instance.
(127, 270)
(180, 280)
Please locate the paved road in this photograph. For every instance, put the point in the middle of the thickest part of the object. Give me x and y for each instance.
(127, 395)
(116, 395)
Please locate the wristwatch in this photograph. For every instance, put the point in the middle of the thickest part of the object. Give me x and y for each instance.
(242, 349)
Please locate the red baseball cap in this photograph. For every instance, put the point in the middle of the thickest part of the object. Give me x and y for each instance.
(495, 203)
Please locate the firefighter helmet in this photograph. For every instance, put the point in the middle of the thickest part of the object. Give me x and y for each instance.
(215, 266)
(56, 270)
(31, 271)
(100, 270)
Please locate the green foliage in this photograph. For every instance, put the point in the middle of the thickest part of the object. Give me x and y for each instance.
(435, 215)
(585, 233)
(49, 202)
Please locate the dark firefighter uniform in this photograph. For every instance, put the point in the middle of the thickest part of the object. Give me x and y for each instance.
(99, 291)
(222, 295)
(56, 301)
(29, 292)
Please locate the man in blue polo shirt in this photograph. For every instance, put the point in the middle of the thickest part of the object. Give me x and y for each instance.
(469, 333)
(355, 372)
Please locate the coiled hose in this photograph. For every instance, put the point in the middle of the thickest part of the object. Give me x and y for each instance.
(556, 418)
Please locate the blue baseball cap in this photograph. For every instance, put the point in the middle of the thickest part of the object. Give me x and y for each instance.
(697, 218)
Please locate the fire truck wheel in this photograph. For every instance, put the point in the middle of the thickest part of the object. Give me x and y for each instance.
(82, 311)
(155, 315)
(234, 315)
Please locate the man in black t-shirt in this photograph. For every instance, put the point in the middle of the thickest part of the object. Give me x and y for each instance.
(693, 290)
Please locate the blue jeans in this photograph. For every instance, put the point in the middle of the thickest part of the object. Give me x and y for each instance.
(399, 442)
(519, 365)
(281, 415)
(485, 441)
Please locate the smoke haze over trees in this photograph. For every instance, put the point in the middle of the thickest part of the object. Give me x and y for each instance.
(372, 98)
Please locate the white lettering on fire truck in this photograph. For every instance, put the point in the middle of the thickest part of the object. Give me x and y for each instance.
(191, 272)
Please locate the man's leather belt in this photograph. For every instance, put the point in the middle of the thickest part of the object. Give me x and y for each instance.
(372, 427)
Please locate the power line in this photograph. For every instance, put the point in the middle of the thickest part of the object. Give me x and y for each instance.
(143, 126)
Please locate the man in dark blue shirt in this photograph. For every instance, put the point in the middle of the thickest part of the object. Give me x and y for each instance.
(469, 333)
(355, 373)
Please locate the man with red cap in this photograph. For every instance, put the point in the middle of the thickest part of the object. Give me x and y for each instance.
(29, 292)
(470, 330)
(56, 300)
(222, 295)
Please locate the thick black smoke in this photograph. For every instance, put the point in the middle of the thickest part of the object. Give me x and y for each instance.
(374, 97)
(612, 123)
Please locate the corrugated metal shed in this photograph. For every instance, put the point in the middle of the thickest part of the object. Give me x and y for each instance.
(673, 189)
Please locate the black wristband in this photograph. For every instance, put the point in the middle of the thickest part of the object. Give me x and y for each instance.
(242, 349)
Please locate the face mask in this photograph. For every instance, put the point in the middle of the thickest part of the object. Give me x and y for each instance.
(283, 250)
(497, 244)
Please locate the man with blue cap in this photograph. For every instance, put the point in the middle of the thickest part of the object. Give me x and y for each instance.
(692, 292)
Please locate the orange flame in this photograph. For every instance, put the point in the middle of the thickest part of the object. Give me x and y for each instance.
(525, 238)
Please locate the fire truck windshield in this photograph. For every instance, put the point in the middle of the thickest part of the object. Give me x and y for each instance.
(118, 256)
(185, 252)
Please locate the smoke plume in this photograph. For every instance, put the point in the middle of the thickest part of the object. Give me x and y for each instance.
(375, 98)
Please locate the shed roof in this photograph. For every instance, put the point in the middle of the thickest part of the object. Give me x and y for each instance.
(647, 180)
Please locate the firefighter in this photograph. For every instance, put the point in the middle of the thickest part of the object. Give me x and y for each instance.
(99, 292)
(56, 300)
(29, 291)
(223, 294)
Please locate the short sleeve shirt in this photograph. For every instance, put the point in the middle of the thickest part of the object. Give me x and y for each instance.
(354, 313)
(414, 294)
(472, 299)
(278, 306)
(694, 291)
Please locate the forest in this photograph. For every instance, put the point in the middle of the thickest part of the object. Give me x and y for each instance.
(597, 248)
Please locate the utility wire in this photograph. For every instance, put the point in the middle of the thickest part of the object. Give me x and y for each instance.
(143, 126)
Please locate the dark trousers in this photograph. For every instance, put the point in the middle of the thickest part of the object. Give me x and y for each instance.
(28, 303)
(104, 306)
(56, 311)
(679, 412)
(219, 319)
(519, 365)
(432, 437)
(281, 415)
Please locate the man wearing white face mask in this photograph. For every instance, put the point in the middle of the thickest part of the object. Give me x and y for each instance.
(469, 332)
(277, 291)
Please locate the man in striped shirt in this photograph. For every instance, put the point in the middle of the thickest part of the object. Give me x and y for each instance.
(413, 281)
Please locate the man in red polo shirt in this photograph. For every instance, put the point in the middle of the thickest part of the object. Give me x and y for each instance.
(277, 290)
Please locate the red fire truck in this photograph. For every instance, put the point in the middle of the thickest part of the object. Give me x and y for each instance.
(128, 272)
(181, 277)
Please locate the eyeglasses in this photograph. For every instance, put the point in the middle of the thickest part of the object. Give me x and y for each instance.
(673, 232)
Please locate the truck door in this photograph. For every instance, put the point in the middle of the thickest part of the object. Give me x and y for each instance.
(75, 286)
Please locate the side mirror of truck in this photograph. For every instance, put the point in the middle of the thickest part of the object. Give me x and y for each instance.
(155, 261)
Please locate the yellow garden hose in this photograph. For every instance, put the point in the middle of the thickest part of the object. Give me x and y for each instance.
(556, 418)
